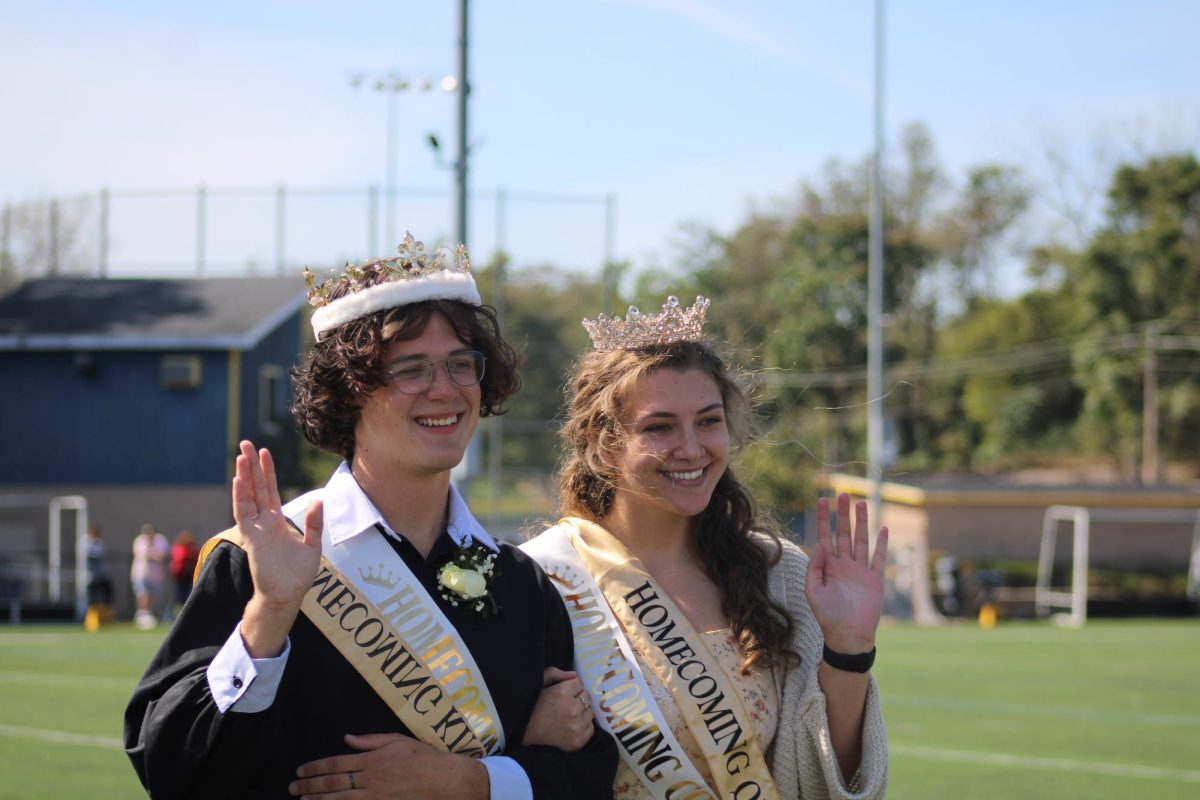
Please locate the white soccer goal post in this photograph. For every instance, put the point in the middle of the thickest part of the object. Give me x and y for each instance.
(1074, 597)
(54, 566)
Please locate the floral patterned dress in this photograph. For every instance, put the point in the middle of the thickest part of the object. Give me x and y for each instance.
(759, 693)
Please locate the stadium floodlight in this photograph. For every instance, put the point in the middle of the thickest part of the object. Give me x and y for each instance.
(393, 84)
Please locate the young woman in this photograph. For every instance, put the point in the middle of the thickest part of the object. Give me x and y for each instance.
(725, 662)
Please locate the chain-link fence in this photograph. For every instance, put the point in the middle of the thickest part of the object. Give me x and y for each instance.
(230, 230)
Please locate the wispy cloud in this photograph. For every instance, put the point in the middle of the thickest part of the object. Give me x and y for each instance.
(736, 26)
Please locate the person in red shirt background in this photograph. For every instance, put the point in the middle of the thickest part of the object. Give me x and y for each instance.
(183, 563)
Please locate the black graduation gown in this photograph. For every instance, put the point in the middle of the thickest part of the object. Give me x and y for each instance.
(182, 746)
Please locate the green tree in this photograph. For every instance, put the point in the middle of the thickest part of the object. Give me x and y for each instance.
(969, 232)
(1016, 400)
(1142, 266)
(543, 308)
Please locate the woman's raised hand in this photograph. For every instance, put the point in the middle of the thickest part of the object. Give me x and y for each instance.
(844, 585)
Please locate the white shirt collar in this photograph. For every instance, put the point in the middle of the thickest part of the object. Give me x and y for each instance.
(349, 512)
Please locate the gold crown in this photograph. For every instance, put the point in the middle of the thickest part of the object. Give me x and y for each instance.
(376, 577)
(411, 277)
(674, 324)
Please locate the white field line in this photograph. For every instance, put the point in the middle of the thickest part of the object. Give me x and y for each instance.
(936, 754)
(66, 681)
(28, 640)
(1030, 710)
(1055, 764)
(61, 737)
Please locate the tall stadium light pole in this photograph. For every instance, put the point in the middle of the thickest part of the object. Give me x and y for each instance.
(473, 457)
(464, 91)
(389, 184)
(496, 428)
(393, 84)
(875, 290)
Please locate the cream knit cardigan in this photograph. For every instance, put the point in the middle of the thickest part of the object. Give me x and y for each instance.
(801, 757)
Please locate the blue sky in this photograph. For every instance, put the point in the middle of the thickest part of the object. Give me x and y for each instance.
(680, 109)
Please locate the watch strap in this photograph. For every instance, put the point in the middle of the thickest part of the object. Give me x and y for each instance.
(859, 662)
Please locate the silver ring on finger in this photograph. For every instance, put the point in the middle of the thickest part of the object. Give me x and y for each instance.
(353, 782)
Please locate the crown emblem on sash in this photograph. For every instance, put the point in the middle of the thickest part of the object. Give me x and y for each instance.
(375, 576)
(674, 324)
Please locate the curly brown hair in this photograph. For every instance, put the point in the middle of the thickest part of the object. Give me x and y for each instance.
(728, 537)
(346, 365)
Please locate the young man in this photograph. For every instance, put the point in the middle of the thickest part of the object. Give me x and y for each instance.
(301, 655)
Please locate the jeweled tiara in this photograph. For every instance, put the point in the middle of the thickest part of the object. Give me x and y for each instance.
(410, 277)
(674, 324)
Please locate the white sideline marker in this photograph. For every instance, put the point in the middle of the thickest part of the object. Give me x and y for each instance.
(65, 681)
(62, 737)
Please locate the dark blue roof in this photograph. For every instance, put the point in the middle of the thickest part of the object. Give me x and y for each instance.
(122, 313)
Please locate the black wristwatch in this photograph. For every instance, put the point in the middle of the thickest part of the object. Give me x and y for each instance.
(859, 662)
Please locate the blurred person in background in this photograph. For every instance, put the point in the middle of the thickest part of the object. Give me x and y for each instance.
(147, 574)
(99, 582)
(184, 555)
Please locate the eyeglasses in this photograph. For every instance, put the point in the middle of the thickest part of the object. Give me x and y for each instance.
(414, 377)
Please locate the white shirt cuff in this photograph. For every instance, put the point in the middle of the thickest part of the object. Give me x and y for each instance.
(508, 780)
(241, 683)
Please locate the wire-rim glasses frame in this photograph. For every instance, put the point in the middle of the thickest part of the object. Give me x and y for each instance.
(464, 368)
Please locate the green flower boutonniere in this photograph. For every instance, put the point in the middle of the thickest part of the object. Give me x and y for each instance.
(465, 579)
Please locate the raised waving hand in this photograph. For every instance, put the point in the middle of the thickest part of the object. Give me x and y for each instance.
(844, 585)
(282, 564)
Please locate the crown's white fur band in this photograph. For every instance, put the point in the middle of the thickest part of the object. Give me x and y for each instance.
(440, 285)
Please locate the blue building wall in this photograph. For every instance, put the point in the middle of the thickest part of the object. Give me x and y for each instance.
(281, 347)
(110, 423)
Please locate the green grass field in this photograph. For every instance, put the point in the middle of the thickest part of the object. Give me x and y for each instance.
(1022, 711)
(1027, 710)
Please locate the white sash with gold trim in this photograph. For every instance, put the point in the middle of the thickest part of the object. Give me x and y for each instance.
(588, 558)
(366, 570)
(621, 700)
